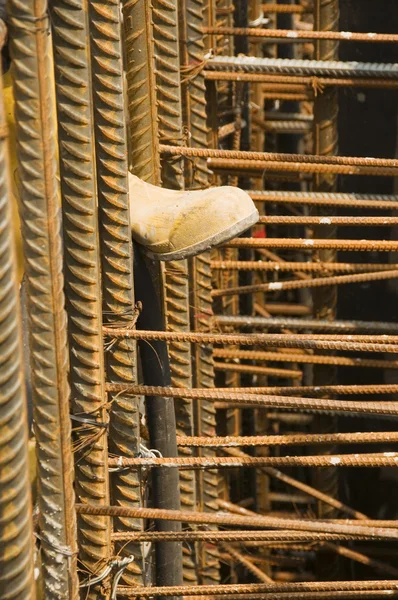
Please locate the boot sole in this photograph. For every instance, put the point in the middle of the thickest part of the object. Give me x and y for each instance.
(219, 238)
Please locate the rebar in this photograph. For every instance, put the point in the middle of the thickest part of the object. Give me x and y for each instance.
(378, 528)
(40, 214)
(116, 251)
(383, 459)
(75, 112)
(315, 84)
(299, 36)
(316, 244)
(313, 267)
(291, 439)
(360, 201)
(16, 532)
(303, 67)
(330, 220)
(307, 283)
(313, 324)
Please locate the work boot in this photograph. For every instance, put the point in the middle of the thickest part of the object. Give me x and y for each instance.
(172, 225)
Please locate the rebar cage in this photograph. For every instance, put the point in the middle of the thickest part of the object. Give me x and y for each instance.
(191, 425)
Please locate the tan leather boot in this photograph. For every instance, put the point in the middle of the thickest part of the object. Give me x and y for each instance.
(172, 225)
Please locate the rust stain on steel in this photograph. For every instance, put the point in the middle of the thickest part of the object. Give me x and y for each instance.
(71, 38)
(40, 205)
(16, 532)
(116, 252)
(141, 100)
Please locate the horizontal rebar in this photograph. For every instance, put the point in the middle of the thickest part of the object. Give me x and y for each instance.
(257, 370)
(303, 67)
(295, 403)
(264, 588)
(350, 221)
(384, 459)
(284, 8)
(230, 393)
(257, 522)
(279, 156)
(313, 324)
(235, 536)
(315, 84)
(297, 35)
(293, 167)
(315, 267)
(315, 244)
(360, 201)
(300, 439)
(295, 284)
(309, 359)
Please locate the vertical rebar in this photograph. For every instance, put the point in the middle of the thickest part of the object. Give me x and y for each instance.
(117, 263)
(71, 38)
(169, 107)
(40, 213)
(326, 18)
(192, 48)
(16, 533)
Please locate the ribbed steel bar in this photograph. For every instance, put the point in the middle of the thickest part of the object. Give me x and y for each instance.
(192, 49)
(233, 367)
(383, 459)
(260, 265)
(315, 84)
(323, 282)
(308, 359)
(360, 201)
(284, 8)
(246, 562)
(266, 588)
(231, 441)
(40, 214)
(383, 529)
(280, 390)
(169, 112)
(265, 166)
(336, 595)
(390, 163)
(303, 67)
(330, 220)
(237, 536)
(306, 341)
(116, 253)
(16, 532)
(311, 244)
(298, 36)
(71, 39)
(296, 403)
(313, 324)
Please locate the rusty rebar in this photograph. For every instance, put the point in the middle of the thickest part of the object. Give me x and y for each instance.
(40, 214)
(299, 36)
(265, 588)
(313, 324)
(315, 244)
(299, 439)
(237, 536)
(330, 220)
(75, 111)
(309, 359)
(388, 163)
(284, 8)
(359, 201)
(303, 67)
(16, 532)
(383, 459)
(307, 283)
(380, 529)
(141, 101)
(310, 342)
(314, 84)
(270, 265)
(233, 367)
(116, 252)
